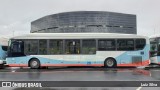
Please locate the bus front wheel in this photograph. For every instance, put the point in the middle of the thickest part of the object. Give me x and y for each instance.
(110, 63)
(34, 64)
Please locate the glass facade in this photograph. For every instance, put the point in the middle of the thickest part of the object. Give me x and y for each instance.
(86, 21)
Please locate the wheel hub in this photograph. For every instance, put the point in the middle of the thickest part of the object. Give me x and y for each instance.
(110, 62)
(34, 63)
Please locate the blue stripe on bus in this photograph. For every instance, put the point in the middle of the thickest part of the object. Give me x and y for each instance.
(25, 59)
(158, 57)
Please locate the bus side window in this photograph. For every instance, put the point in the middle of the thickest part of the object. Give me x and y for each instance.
(72, 46)
(125, 44)
(88, 46)
(106, 45)
(31, 47)
(130, 44)
(55, 47)
(42, 47)
(140, 43)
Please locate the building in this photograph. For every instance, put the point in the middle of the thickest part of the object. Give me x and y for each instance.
(86, 21)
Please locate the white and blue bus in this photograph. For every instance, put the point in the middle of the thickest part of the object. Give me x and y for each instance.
(3, 50)
(155, 49)
(37, 50)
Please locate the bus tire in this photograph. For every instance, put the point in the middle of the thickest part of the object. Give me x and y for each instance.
(34, 64)
(110, 63)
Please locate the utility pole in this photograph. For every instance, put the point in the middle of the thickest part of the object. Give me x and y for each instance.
(13, 33)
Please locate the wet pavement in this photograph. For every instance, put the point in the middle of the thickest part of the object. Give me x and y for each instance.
(82, 74)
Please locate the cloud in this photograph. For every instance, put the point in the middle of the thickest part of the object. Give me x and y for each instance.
(16, 15)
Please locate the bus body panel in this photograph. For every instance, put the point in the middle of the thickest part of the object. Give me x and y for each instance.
(123, 58)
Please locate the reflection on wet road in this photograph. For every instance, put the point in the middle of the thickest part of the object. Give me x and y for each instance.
(82, 74)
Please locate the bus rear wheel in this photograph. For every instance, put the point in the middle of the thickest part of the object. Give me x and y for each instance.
(34, 64)
(110, 63)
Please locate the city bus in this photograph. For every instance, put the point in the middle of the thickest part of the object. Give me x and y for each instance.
(38, 50)
(155, 49)
(3, 50)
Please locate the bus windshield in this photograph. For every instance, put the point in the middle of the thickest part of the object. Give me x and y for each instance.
(153, 47)
(158, 47)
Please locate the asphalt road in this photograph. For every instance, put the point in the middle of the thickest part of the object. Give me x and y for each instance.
(81, 74)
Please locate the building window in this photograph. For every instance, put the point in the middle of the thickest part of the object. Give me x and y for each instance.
(88, 46)
(94, 25)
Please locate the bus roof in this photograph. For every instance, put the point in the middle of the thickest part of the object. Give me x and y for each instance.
(75, 36)
(155, 36)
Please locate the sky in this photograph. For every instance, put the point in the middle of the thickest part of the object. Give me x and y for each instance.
(16, 15)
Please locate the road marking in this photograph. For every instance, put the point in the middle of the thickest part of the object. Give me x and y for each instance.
(139, 88)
